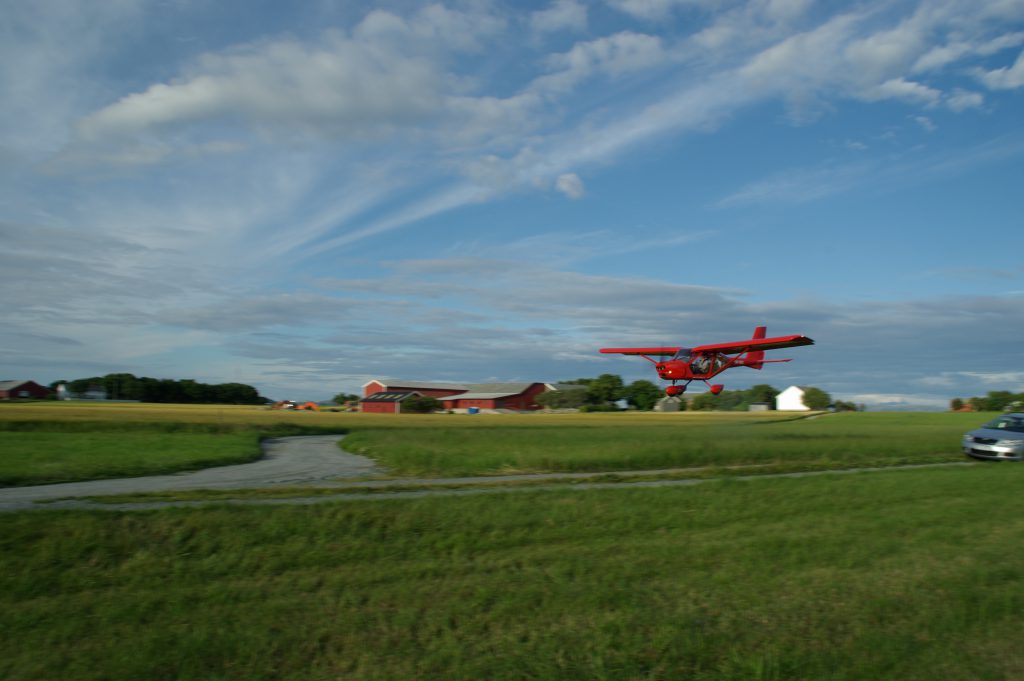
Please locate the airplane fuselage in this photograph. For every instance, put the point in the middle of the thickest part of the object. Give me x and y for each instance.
(687, 366)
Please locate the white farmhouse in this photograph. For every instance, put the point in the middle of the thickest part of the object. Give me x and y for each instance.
(791, 399)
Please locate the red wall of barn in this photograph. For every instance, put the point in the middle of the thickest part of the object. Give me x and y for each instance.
(523, 401)
(371, 388)
(378, 407)
(464, 404)
(33, 389)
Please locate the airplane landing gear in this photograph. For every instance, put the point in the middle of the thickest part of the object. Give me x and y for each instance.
(716, 388)
(675, 390)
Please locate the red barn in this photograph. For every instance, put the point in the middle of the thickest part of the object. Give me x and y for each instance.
(510, 396)
(23, 390)
(455, 396)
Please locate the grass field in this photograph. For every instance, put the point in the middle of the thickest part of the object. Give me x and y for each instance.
(647, 442)
(459, 445)
(896, 575)
(911, 574)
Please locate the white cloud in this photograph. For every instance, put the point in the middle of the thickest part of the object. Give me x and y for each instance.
(612, 56)
(562, 15)
(796, 185)
(343, 87)
(956, 50)
(645, 9)
(46, 51)
(1006, 78)
(1006, 380)
(898, 88)
(432, 28)
(571, 185)
(961, 100)
(926, 123)
(656, 10)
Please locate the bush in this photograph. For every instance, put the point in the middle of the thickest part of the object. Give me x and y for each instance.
(420, 404)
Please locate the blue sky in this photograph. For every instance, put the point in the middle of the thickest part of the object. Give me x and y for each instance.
(305, 198)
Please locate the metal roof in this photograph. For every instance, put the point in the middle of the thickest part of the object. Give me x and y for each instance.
(424, 385)
(510, 388)
(11, 385)
(389, 396)
(479, 396)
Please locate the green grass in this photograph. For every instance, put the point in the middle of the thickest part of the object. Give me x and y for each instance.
(41, 452)
(165, 438)
(896, 575)
(591, 443)
(486, 483)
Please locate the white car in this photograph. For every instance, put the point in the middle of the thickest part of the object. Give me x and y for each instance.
(1001, 439)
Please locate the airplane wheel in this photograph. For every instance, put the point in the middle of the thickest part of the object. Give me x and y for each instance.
(675, 390)
(715, 389)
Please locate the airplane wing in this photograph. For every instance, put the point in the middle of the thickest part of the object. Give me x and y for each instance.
(755, 344)
(640, 351)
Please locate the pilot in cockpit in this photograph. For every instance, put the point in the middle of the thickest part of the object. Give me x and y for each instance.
(701, 364)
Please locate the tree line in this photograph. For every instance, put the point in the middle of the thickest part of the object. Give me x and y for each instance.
(606, 391)
(166, 390)
(996, 400)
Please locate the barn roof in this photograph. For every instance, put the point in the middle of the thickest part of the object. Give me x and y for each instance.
(480, 396)
(491, 391)
(510, 388)
(424, 385)
(11, 385)
(566, 386)
(390, 396)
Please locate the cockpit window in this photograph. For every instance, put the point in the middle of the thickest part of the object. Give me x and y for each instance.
(1014, 424)
(683, 354)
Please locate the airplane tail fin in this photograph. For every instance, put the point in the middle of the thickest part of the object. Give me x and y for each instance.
(755, 358)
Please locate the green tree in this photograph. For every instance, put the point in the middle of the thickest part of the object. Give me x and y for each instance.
(417, 404)
(704, 402)
(605, 389)
(561, 399)
(816, 399)
(342, 398)
(236, 393)
(642, 394)
(762, 392)
(997, 400)
(956, 404)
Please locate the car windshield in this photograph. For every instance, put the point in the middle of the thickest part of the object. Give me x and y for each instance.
(1014, 424)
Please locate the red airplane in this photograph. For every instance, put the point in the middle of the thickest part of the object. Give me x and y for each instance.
(706, 361)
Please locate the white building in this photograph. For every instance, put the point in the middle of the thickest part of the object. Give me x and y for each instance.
(791, 399)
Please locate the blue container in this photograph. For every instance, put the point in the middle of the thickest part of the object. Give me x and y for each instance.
(473, 410)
